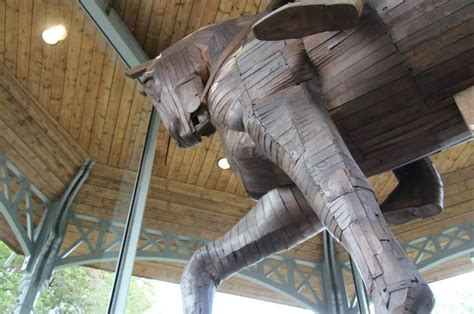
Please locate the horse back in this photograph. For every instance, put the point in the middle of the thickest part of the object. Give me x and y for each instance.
(389, 83)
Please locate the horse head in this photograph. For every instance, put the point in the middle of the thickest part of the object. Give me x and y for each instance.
(174, 81)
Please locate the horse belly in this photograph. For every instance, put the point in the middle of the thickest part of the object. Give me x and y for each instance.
(256, 172)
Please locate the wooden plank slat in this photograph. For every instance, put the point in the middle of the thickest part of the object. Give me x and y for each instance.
(123, 117)
(154, 27)
(36, 49)
(166, 31)
(194, 20)
(105, 86)
(24, 40)
(113, 107)
(209, 162)
(60, 62)
(140, 135)
(179, 30)
(142, 15)
(131, 11)
(11, 34)
(74, 50)
(41, 116)
(92, 95)
(2, 29)
(198, 160)
(209, 14)
(22, 124)
(132, 127)
(52, 13)
(82, 79)
(25, 151)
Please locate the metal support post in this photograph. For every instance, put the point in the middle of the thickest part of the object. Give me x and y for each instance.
(10, 259)
(40, 264)
(331, 283)
(362, 296)
(133, 226)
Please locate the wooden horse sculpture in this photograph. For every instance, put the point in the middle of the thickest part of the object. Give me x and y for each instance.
(284, 111)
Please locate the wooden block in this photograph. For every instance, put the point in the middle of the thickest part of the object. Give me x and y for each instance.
(465, 102)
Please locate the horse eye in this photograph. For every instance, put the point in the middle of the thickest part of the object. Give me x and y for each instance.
(146, 79)
(147, 76)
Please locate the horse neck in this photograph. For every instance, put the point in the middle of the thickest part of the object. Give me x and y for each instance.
(216, 38)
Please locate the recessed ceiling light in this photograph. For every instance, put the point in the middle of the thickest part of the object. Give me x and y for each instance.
(223, 163)
(54, 34)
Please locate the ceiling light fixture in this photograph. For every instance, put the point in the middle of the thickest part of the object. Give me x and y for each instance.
(54, 34)
(223, 163)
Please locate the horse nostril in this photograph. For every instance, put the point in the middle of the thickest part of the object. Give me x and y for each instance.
(194, 119)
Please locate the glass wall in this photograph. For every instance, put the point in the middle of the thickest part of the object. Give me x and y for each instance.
(63, 104)
(60, 105)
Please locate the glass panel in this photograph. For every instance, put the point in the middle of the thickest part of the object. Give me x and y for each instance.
(345, 279)
(60, 105)
(454, 295)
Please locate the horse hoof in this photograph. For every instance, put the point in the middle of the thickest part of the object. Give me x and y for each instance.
(300, 19)
(413, 300)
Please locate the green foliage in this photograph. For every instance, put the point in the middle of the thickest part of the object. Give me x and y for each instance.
(139, 296)
(10, 276)
(72, 290)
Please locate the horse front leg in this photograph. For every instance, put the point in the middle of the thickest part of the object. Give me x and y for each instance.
(280, 220)
(295, 131)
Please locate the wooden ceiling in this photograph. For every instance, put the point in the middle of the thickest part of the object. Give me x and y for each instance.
(64, 103)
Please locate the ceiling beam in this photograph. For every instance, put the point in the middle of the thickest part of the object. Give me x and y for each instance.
(115, 31)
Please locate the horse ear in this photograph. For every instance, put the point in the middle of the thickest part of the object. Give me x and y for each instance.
(138, 70)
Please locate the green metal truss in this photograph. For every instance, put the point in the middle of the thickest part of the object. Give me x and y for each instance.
(98, 240)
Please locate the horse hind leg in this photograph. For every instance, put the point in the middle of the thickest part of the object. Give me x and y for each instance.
(419, 193)
(280, 220)
(295, 131)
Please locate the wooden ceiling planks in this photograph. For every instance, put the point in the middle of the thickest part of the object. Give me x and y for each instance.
(3, 7)
(159, 23)
(11, 34)
(33, 139)
(79, 81)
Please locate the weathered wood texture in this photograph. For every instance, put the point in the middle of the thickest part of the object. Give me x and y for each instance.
(296, 19)
(465, 102)
(390, 86)
(171, 202)
(456, 164)
(269, 103)
(51, 75)
(184, 208)
(273, 105)
(157, 24)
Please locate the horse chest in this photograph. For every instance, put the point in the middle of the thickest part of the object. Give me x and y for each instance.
(256, 70)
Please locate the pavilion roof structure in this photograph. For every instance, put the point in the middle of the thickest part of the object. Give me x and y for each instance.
(64, 103)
